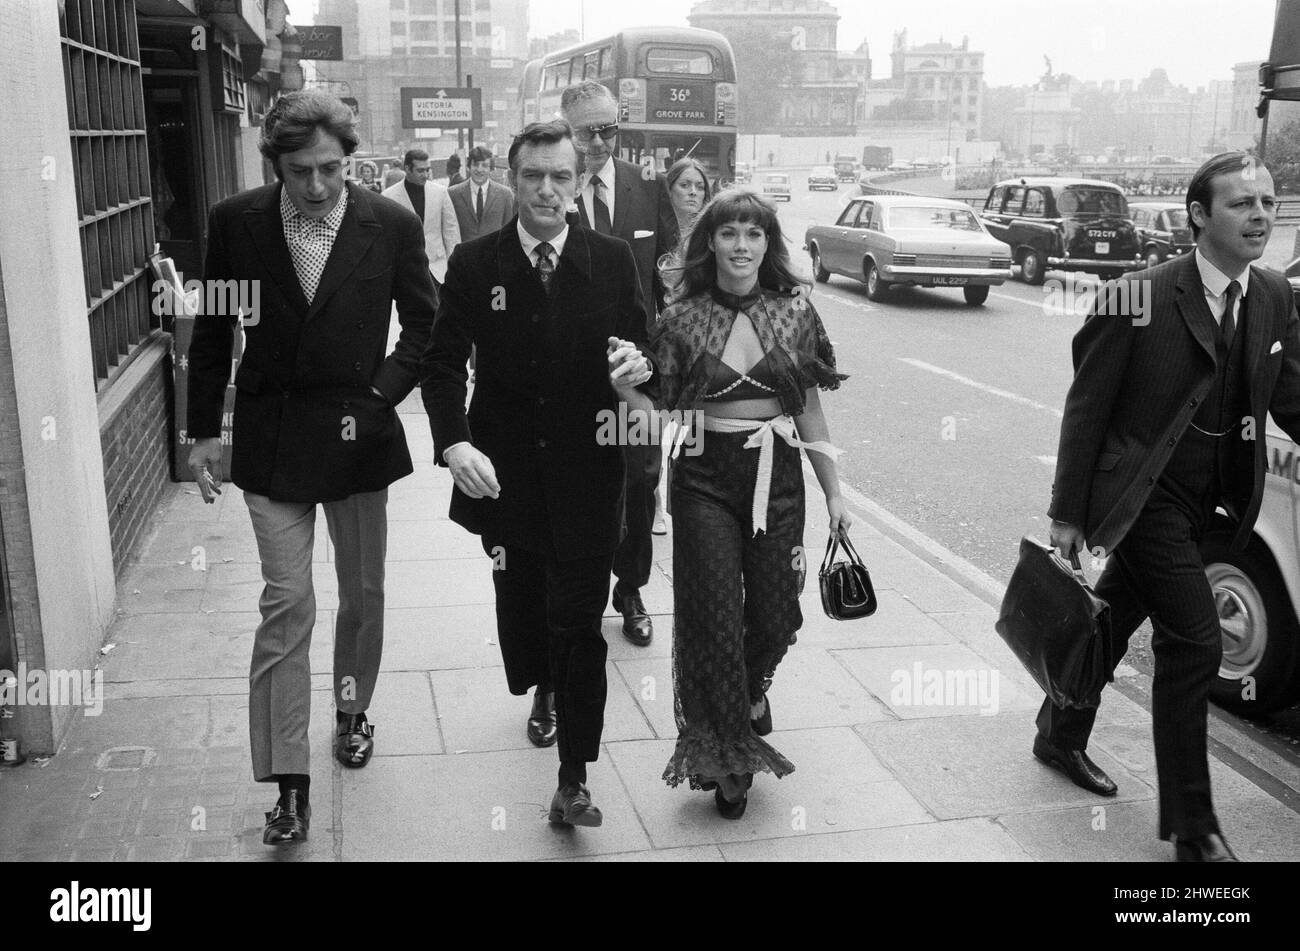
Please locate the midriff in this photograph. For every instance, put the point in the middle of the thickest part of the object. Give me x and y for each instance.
(742, 409)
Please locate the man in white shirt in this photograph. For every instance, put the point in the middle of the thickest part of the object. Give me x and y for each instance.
(482, 205)
(432, 206)
(1163, 424)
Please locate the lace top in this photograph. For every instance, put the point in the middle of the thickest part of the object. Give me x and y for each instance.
(691, 334)
(727, 384)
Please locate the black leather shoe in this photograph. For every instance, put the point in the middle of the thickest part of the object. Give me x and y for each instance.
(541, 722)
(289, 821)
(352, 741)
(1075, 764)
(763, 725)
(1203, 848)
(571, 806)
(729, 809)
(637, 626)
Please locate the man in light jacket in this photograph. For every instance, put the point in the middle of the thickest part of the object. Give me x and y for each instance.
(432, 206)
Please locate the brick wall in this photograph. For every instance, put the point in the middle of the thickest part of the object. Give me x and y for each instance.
(136, 436)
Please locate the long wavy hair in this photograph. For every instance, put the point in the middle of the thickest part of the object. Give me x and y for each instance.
(699, 267)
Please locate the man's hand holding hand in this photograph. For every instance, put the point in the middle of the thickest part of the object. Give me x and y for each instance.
(628, 367)
(205, 463)
(472, 471)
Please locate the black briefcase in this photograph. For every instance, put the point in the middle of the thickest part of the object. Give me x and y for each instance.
(1057, 626)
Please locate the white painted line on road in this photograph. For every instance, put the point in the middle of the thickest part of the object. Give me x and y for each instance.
(1046, 460)
(1018, 300)
(1005, 394)
(844, 300)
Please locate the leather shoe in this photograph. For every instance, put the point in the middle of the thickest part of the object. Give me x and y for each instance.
(352, 741)
(763, 725)
(571, 806)
(541, 722)
(1075, 764)
(289, 821)
(729, 809)
(637, 626)
(1203, 848)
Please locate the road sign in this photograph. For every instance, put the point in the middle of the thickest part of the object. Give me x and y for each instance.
(321, 42)
(441, 107)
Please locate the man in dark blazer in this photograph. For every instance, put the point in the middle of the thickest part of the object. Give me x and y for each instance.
(542, 301)
(314, 421)
(482, 205)
(1175, 372)
(630, 202)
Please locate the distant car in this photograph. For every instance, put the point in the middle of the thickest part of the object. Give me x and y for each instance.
(846, 168)
(1071, 224)
(1163, 230)
(743, 173)
(776, 186)
(823, 176)
(900, 166)
(883, 240)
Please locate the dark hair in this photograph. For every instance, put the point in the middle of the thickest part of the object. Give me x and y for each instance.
(700, 267)
(680, 168)
(478, 154)
(295, 119)
(1201, 188)
(587, 89)
(414, 155)
(453, 163)
(542, 133)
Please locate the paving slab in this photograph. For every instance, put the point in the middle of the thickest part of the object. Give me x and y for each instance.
(960, 767)
(837, 785)
(957, 840)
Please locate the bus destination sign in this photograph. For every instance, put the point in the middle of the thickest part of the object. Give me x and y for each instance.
(678, 102)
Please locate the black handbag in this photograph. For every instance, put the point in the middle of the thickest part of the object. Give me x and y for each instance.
(846, 585)
(1057, 626)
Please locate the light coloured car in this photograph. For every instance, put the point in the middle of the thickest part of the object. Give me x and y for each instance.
(776, 186)
(886, 240)
(823, 176)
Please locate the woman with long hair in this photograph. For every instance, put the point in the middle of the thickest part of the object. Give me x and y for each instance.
(740, 348)
(688, 188)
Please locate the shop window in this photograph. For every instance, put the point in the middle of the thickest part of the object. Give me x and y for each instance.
(115, 217)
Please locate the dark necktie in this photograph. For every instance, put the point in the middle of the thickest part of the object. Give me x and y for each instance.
(1229, 323)
(599, 210)
(545, 269)
(478, 205)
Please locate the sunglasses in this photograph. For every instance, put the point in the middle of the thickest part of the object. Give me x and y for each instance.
(606, 132)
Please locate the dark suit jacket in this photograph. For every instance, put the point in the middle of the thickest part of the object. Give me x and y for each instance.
(642, 204)
(541, 379)
(1136, 388)
(498, 209)
(306, 426)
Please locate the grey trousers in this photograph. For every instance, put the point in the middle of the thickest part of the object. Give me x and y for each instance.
(279, 679)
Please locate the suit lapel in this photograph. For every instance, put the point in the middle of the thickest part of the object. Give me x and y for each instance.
(1253, 322)
(623, 180)
(356, 234)
(266, 228)
(1192, 306)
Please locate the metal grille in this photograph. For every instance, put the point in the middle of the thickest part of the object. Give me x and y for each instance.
(101, 73)
(950, 260)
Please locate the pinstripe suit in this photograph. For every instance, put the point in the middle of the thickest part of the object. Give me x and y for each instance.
(1129, 474)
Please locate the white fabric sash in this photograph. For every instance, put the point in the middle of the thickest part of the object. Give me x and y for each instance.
(761, 439)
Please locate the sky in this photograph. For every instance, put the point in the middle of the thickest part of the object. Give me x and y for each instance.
(1194, 40)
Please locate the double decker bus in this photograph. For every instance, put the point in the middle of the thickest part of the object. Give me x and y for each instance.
(528, 85)
(676, 93)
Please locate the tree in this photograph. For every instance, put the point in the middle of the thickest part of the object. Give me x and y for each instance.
(766, 64)
(1283, 158)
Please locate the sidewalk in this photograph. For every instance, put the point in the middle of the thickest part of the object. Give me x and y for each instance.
(164, 773)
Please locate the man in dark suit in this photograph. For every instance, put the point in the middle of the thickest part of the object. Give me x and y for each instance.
(315, 419)
(1175, 371)
(632, 203)
(542, 301)
(482, 205)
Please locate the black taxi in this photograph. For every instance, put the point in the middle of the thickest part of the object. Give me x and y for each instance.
(1163, 230)
(1067, 224)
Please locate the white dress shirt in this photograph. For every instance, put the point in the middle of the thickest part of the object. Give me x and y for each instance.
(1215, 284)
(606, 175)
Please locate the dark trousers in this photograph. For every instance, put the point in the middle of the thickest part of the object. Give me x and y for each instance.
(1157, 572)
(634, 556)
(548, 626)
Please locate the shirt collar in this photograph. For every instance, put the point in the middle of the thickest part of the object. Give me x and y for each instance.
(606, 174)
(530, 243)
(290, 215)
(1215, 281)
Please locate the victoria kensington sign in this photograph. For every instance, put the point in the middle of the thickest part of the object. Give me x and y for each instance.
(441, 107)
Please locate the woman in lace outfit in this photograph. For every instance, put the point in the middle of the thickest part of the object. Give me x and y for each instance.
(741, 344)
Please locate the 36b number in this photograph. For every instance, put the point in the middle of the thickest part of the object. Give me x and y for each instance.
(678, 95)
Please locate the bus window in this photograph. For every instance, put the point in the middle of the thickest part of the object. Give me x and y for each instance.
(591, 65)
(663, 59)
(607, 63)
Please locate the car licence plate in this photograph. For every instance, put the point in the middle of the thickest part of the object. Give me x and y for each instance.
(1103, 247)
(951, 281)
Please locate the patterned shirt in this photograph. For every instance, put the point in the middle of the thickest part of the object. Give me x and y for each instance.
(310, 240)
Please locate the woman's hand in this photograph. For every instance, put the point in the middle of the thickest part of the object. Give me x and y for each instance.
(841, 520)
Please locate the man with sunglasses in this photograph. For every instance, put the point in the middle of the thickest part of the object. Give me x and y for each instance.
(618, 198)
